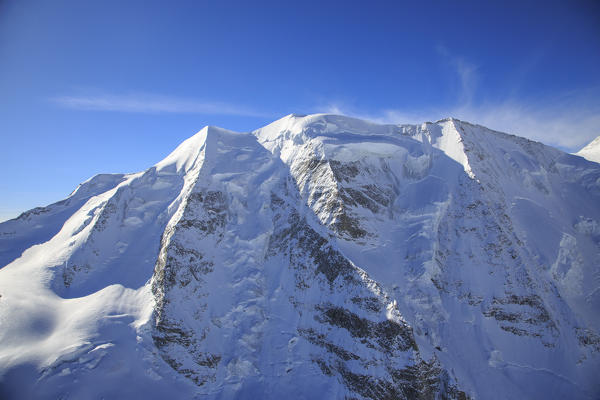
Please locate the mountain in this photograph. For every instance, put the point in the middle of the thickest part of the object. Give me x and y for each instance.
(591, 151)
(318, 257)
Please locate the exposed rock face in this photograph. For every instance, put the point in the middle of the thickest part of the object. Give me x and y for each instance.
(340, 321)
(320, 256)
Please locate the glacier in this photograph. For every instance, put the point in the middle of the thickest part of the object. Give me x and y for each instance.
(320, 256)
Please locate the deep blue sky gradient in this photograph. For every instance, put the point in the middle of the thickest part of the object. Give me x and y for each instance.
(249, 63)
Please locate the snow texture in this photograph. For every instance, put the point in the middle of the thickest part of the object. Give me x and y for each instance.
(318, 257)
(591, 151)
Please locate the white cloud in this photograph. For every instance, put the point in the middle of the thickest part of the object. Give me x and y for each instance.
(465, 71)
(570, 127)
(149, 103)
(569, 121)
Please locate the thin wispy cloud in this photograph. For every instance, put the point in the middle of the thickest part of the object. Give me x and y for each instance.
(465, 71)
(569, 125)
(568, 121)
(151, 103)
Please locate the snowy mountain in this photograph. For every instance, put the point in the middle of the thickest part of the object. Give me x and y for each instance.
(591, 151)
(318, 257)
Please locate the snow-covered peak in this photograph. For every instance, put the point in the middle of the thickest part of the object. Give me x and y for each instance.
(445, 135)
(185, 156)
(97, 184)
(319, 256)
(315, 124)
(297, 130)
(284, 136)
(591, 151)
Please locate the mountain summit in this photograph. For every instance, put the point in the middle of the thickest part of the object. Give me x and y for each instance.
(591, 151)
(318, 257)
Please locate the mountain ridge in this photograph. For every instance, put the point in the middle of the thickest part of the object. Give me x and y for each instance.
(381, 261)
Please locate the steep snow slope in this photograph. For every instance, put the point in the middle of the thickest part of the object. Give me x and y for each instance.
(73, 307)
(320, 256)
(41, 224)
(253, 300)
(488, 242)
(591, 151)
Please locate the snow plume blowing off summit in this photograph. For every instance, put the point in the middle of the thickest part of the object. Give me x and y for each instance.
(318, 257)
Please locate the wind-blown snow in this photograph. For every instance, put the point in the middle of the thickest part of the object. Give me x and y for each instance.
(319, 256)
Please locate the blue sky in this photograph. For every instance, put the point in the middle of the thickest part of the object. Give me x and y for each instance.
(113, 86)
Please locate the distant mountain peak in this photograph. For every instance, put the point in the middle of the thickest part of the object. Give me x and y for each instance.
(591, 151)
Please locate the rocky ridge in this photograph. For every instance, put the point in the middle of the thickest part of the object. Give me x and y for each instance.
(319, 255)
